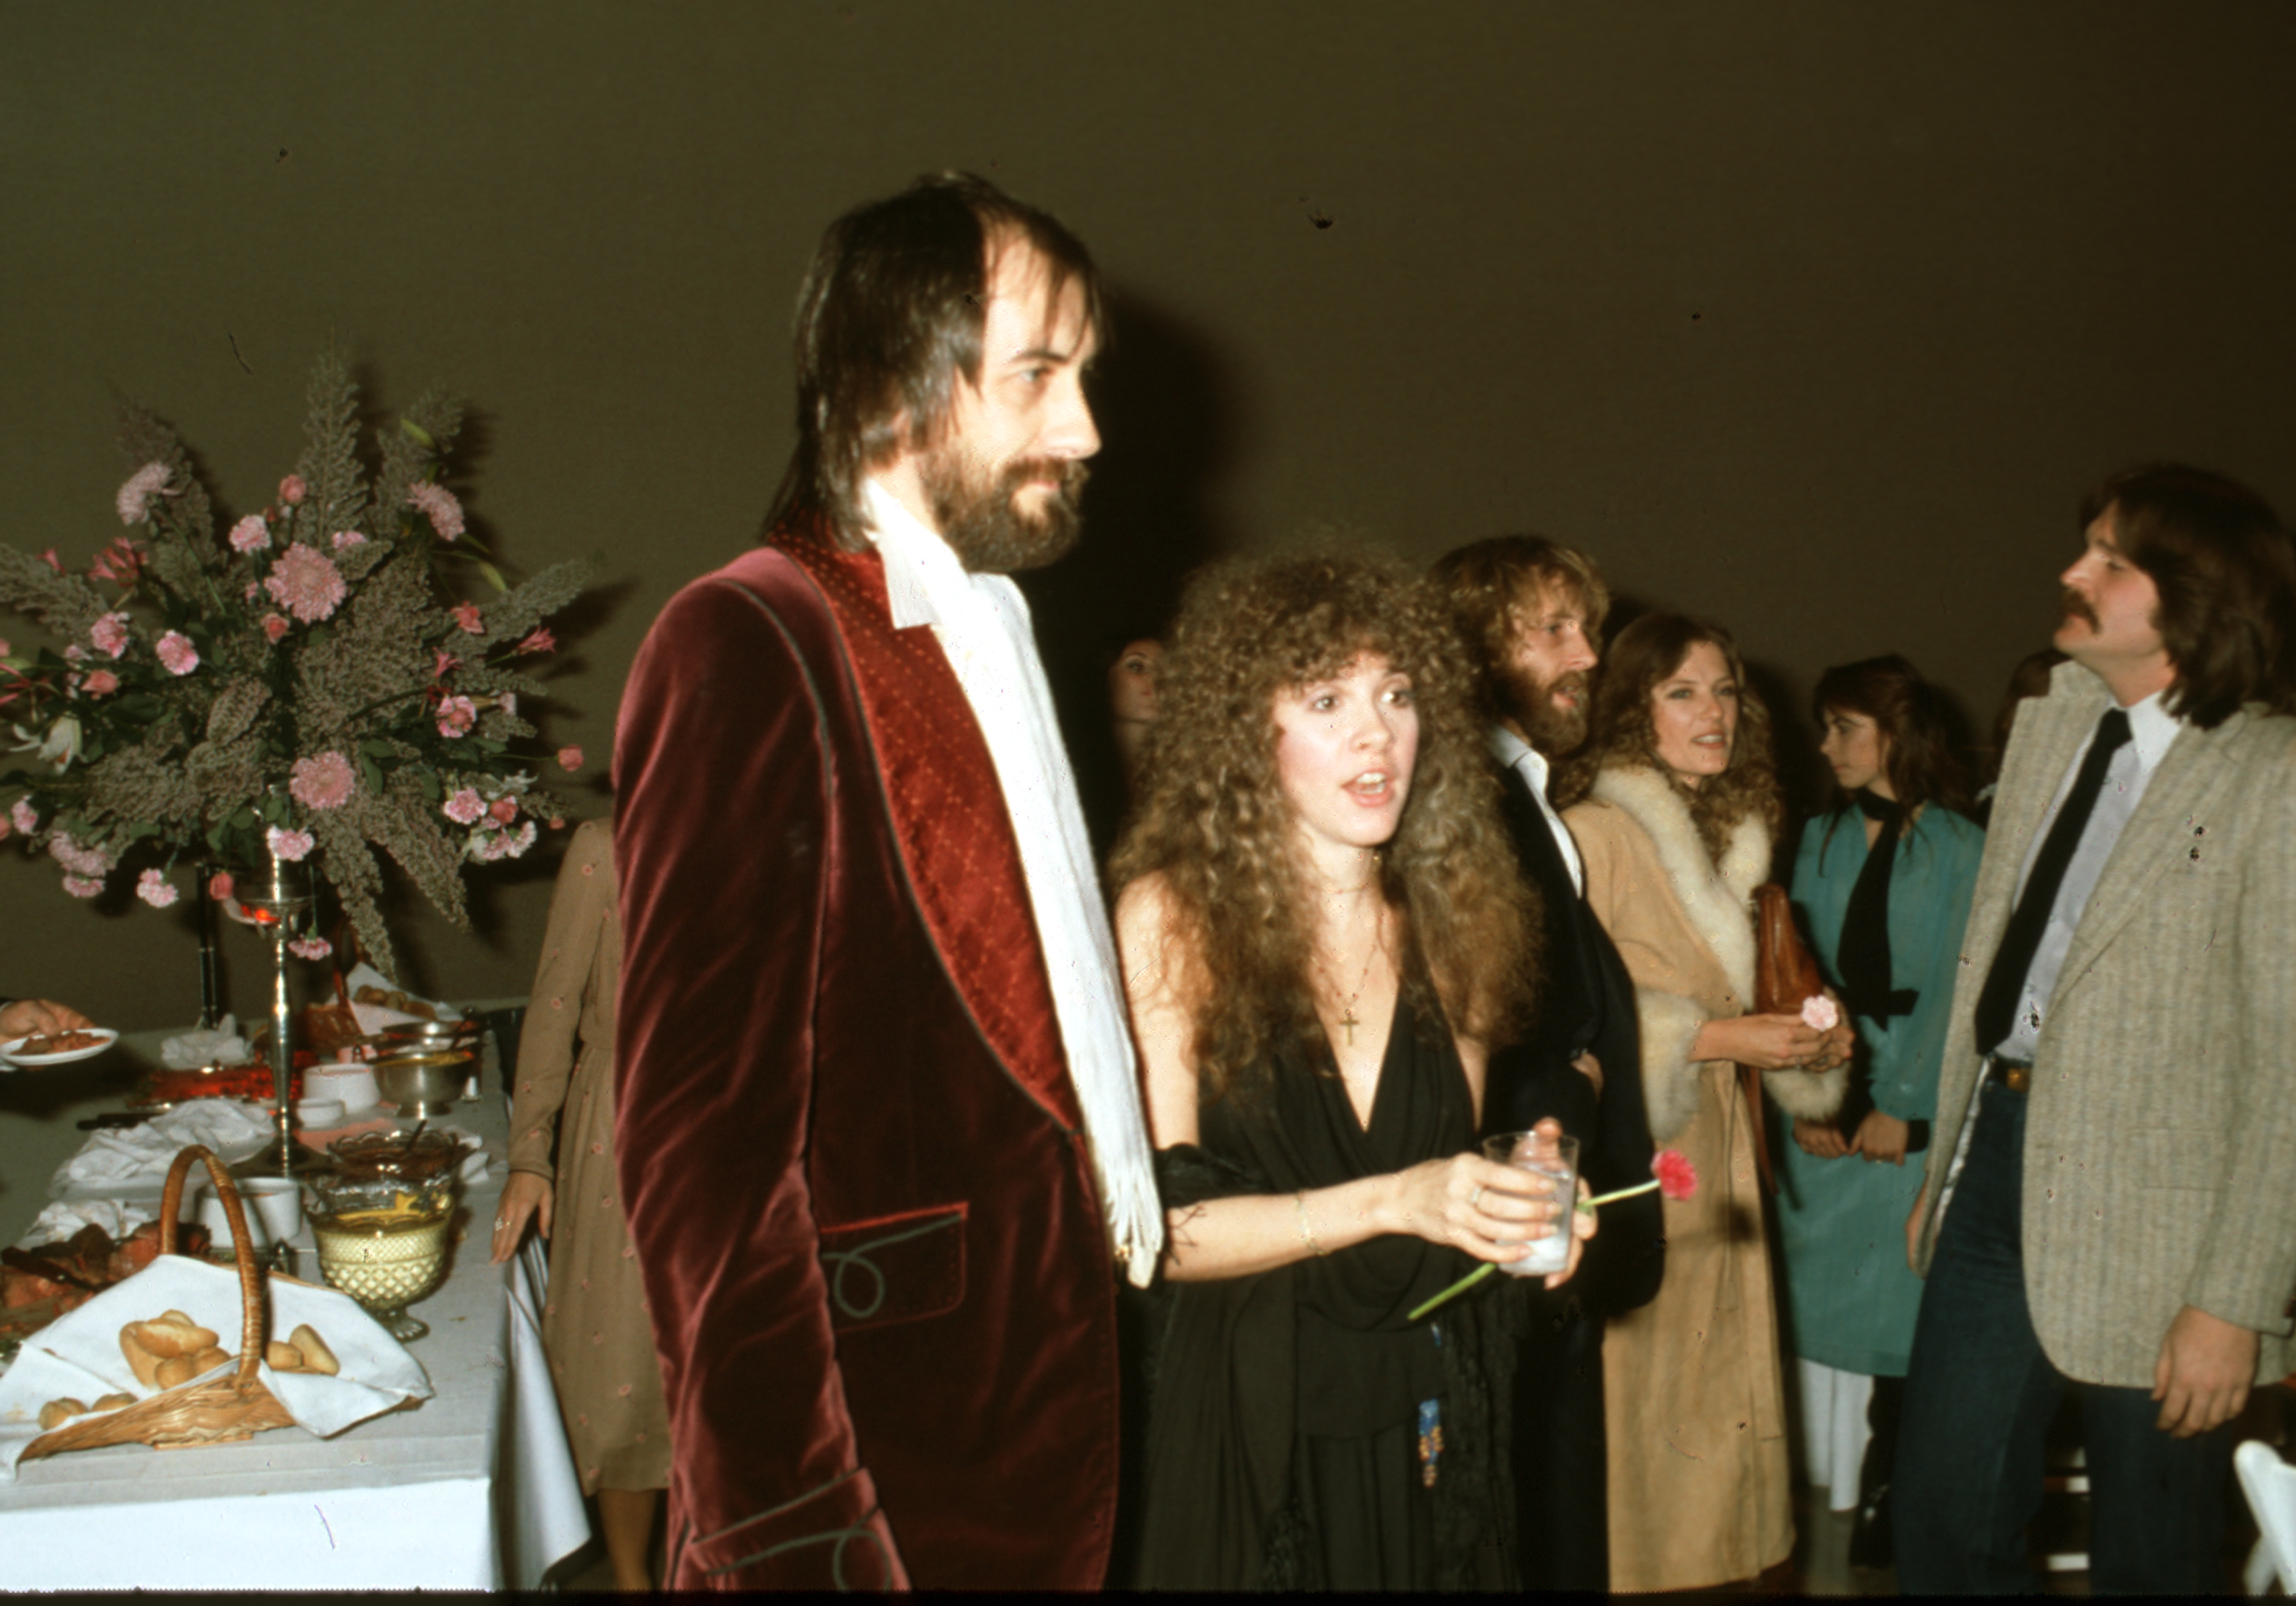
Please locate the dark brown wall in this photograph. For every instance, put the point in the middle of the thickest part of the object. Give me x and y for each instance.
(1813, 318)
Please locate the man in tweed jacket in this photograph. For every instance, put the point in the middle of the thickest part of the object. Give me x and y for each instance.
(2117, 1207)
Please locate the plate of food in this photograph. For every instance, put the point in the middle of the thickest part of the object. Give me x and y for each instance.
(57, 1047)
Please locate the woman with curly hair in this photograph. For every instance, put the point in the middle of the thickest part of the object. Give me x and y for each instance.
(1676, 836)
(1323, 929)
(1883, 884)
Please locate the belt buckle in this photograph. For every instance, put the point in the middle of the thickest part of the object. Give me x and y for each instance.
(2016, 1078)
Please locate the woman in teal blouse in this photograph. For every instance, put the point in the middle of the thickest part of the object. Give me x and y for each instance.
(1882, 886)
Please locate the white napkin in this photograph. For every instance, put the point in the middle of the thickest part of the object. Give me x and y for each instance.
(80, 1356)
(59, 1221)
(192, 1049)
(364, 975)
(128, 1154)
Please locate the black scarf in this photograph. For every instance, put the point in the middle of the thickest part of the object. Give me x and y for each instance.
(1865, 949)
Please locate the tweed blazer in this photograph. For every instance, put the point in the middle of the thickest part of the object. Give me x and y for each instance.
(2160, 1136)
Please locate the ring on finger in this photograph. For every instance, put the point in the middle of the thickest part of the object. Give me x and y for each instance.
(1475, 1197)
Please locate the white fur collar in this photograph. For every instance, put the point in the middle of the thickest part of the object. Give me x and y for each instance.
(1715, 899)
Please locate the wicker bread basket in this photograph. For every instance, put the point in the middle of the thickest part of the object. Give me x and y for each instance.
(213, 1411)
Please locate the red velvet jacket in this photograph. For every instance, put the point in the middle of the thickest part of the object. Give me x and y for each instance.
(852, 1159)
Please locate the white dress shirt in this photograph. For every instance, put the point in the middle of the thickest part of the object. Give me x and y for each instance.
(1518, 755)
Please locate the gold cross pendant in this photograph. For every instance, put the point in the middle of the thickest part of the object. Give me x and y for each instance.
(1350, 1023)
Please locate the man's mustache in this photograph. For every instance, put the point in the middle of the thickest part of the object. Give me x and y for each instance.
(2077, 606)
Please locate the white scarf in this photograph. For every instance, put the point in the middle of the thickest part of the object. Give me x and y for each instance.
(981, 621)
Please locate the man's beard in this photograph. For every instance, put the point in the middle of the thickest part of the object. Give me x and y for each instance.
(1551, 731)
(980, 518)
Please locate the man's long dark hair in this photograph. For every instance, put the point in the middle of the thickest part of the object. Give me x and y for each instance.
(890, 316)
(2221, 560)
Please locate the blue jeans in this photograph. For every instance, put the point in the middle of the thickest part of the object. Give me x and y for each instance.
(1978, 1398)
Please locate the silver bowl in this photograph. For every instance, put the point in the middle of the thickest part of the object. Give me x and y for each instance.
(424, 1083)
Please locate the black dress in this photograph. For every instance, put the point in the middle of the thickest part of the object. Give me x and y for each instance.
(1304, 1433)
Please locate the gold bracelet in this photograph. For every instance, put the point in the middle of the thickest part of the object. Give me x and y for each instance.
(1306, 1232)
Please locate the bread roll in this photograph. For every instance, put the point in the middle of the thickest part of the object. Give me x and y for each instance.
(282, 1356)
(55, 1413)
(317, 1356)
(210, 1358)
(141, 1361)
(176, 1370)
(113, 1402)
(172, 1334)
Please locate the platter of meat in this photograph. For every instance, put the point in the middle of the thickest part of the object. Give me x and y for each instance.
(36, 1286)
(56, 1048)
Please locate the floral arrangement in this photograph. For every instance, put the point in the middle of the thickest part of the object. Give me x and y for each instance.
(304, 685)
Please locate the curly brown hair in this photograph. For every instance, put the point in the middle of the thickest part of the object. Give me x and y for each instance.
(1646, 652)
(1212, 822)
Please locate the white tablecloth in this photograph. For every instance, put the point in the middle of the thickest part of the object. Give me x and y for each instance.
(475, 1490)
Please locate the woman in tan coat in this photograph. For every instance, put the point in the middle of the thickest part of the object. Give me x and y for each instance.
(595, 1325)
(1676, 834)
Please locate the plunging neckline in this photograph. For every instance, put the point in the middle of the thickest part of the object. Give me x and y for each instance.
(1381, 1079)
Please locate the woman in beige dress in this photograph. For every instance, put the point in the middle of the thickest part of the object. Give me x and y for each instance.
(595, 1325)
(1676, 834)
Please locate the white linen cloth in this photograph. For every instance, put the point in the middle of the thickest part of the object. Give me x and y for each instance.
(226, 1126)
(981, 621)
(61, 1218)
(189, 1051)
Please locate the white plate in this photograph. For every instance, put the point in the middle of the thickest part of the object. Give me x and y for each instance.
(9, 1055)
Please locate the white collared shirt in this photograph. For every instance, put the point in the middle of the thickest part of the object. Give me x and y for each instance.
(1518, 755)
(2151, 729)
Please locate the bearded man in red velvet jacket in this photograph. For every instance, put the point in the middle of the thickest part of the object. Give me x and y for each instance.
(877, 1124)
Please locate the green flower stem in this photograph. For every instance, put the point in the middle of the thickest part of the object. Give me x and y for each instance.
(1455, 1290)
(1618, 1193)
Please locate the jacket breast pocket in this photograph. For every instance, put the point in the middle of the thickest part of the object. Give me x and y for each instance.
(897, 1268)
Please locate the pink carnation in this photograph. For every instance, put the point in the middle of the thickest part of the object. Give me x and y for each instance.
(310, 948)
(508, 703)
(1677, 1178)
(100, 683)
(120, 563)
(322, 782)
(110, 634)
(464, 807)
(27, 818)
(538, 640)
(438, 504)
(79, 858)
(293, 846)
(457, 715)
(570, 759)
(219, 885)
(306, 582)
(155, 889)
(293, 490)
(1818, 1013)
(49, 558)
(275, 626)
(176, 653)
(504, 811)
(250, 534)
(466, 617)
(346, 539)
(82, 886)
(443, 661)
(135, 495)
(75, 654)
(558, 824)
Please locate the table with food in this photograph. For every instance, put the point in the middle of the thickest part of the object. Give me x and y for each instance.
(219, 1371)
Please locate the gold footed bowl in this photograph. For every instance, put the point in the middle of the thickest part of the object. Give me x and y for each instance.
(384, 1264)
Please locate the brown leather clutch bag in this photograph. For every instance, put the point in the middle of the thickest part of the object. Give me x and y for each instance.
(1785, 978)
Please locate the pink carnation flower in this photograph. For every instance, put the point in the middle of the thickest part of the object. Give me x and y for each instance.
(219, 885)
(100, 683)
(310, 948)
(250, 534)
(27, 818)
(538, 640)
(346, 539)
(1818, 1013)
(443, 661)
(75, 654)
(135, 495)
(120, 563)
(1677, 1178)
(457, 715)
(275, 626)
(155, 889)
(508, 703)
(176, 653)
(110, 634)
(322, 782)
(79, 859)
(570, 759)
(293, 846)
(464, 807)
(49, 558)
(82, 886)
(438, 504)
(306, 582)
(504, 811)
(466, 618)
(293, 490)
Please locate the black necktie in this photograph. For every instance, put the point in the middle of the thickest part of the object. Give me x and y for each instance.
(2004, 984)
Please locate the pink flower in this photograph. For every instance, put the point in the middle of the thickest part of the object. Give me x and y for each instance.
(293, 846)
(82, 886)
(508, 703)
(310, 948)
(75, 654)
(49, 558)
(219, 885)
(322, 782)
(438, 504)
(504, 811)
(176, 653)
(538, 640)
(443, 662)
(347, 539)
(1818, 1013)
(464, 807)
(466, 617)
(27, 818)
(254, 590)
(457, 715)
(558, 824)
(100, 683)
(273, 627)
(79, 859)
(4, 646)
(135, 495)
(306, 582)
(119, 563)
(1677, 1178)
(293, 490)
(250, 534)
(110, 634)
(570, 759)
(155, 889)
